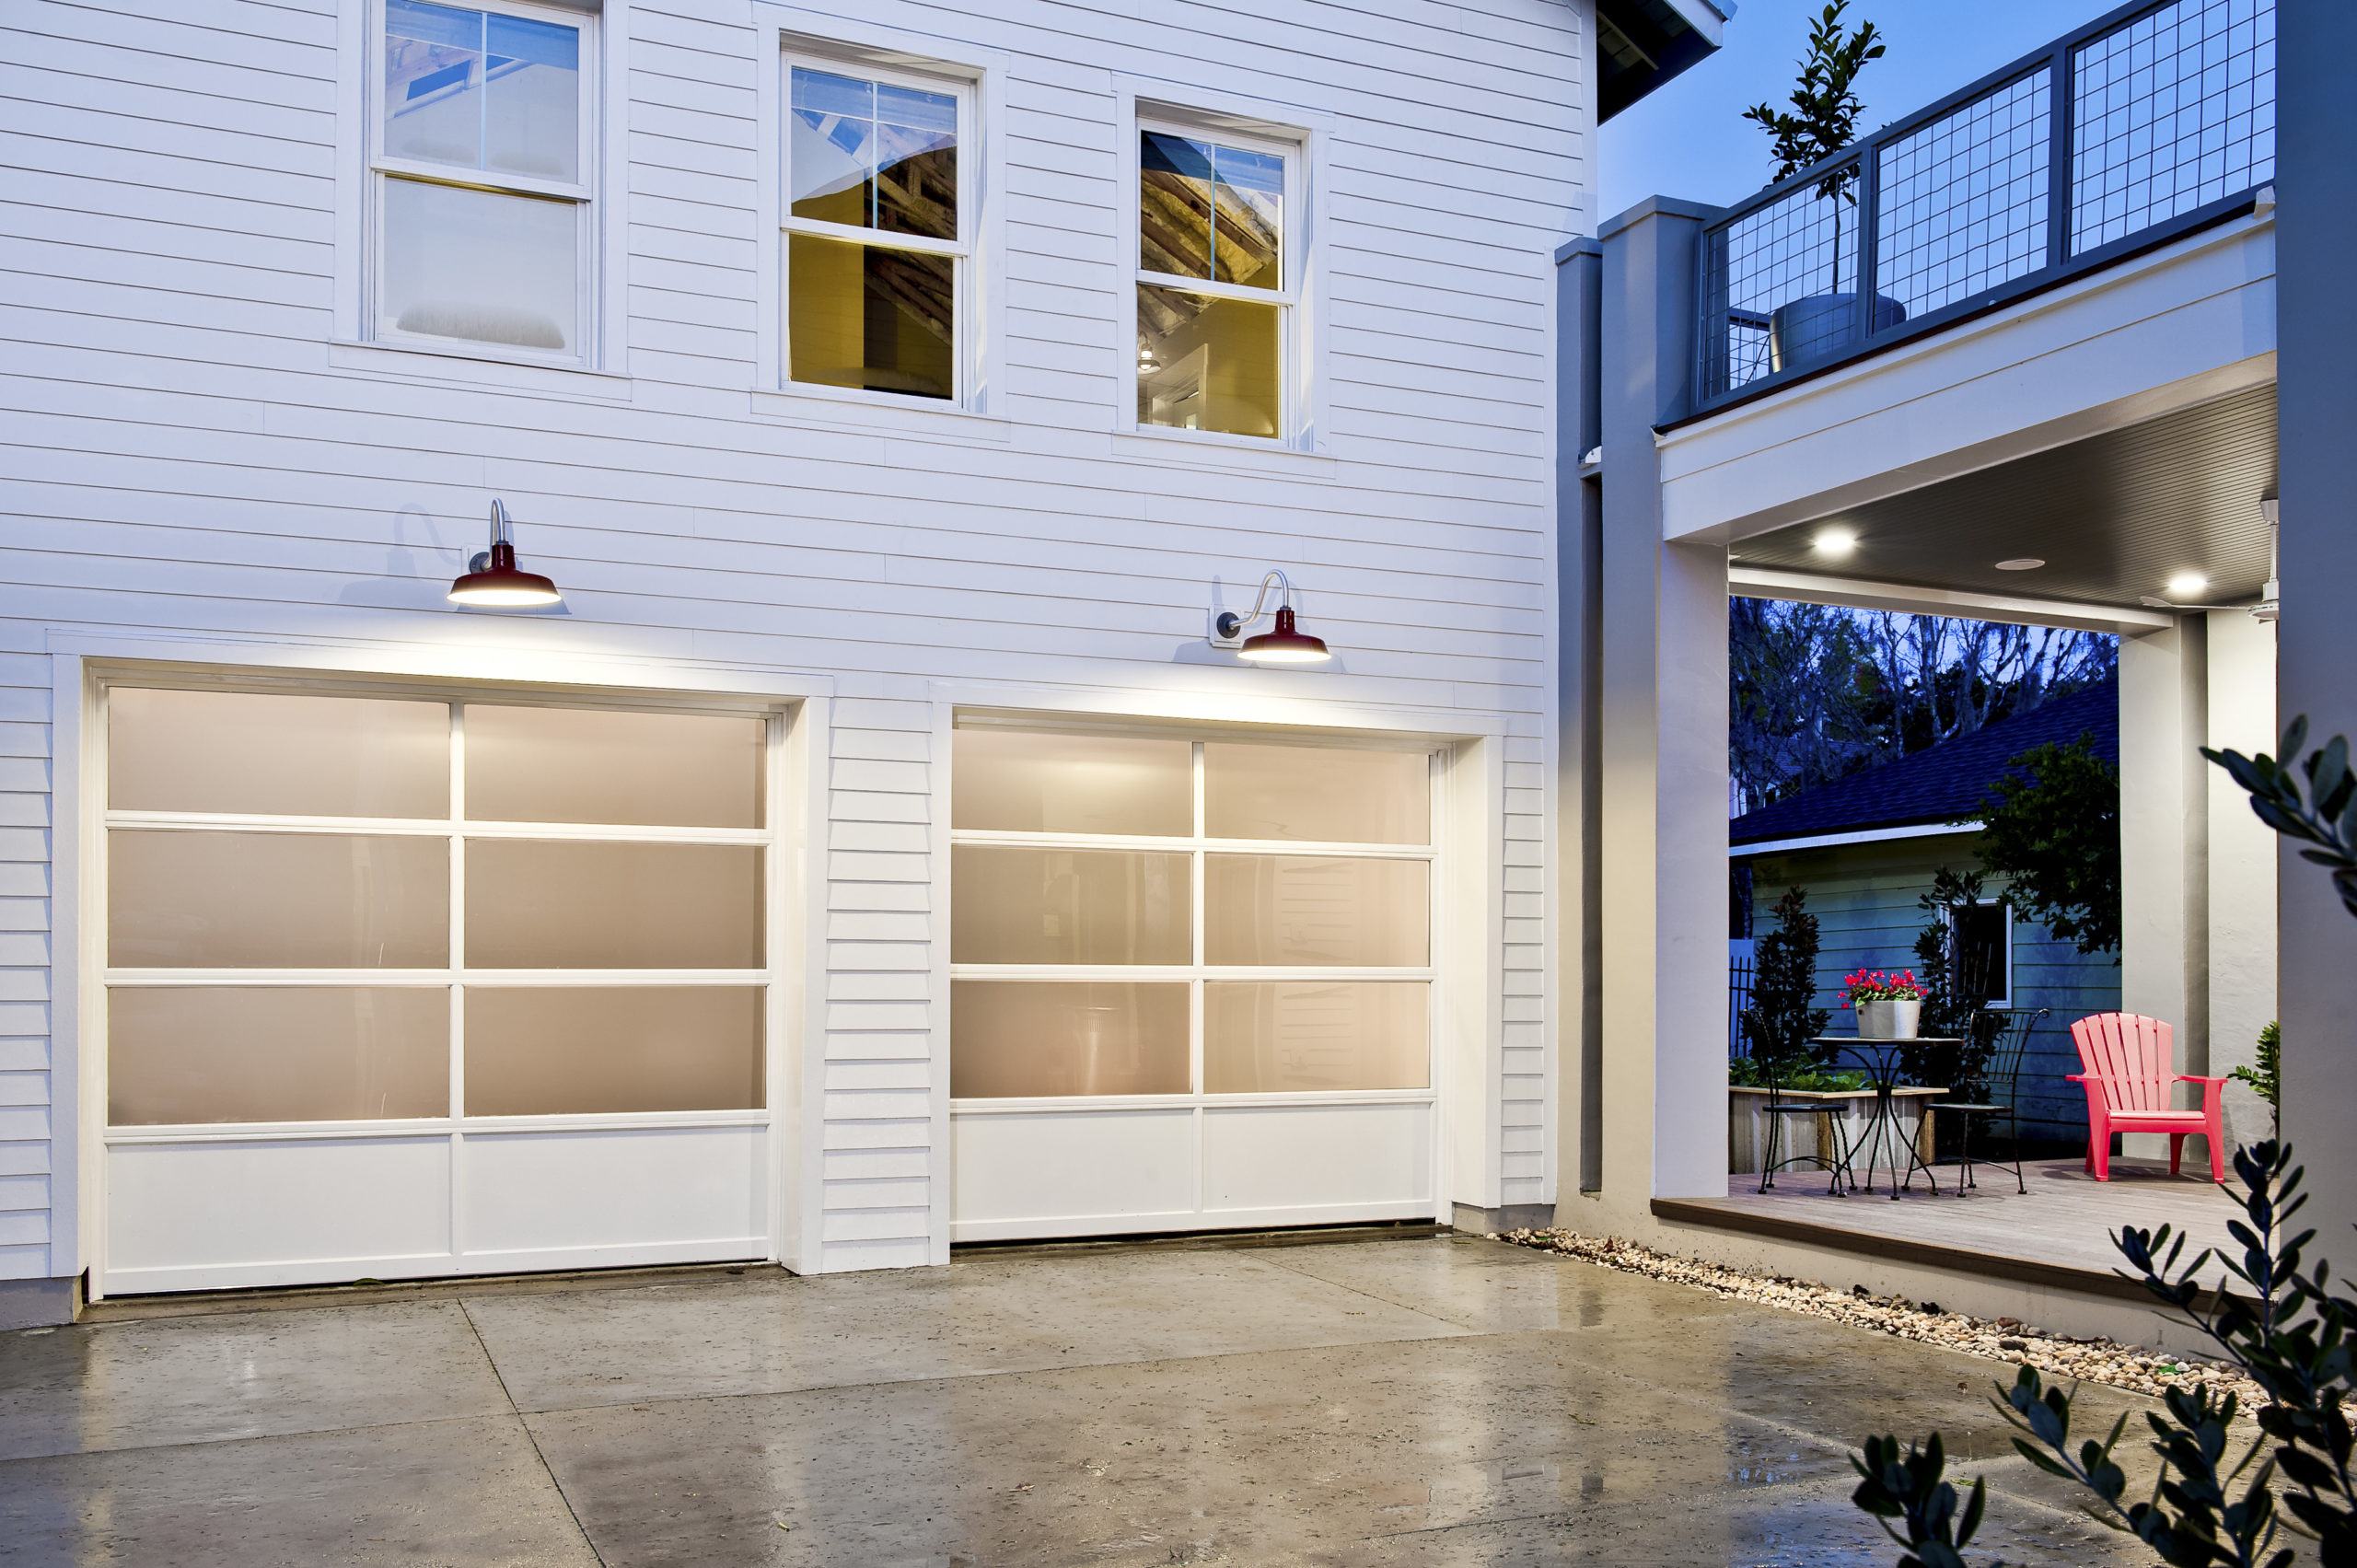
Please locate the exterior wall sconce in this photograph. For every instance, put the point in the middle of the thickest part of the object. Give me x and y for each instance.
(493, 578)
(1283, 646)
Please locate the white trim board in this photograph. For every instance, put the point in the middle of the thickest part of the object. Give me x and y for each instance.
(1863, 836)
(1863, 594)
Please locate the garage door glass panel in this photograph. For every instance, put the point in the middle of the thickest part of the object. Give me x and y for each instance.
(191, 1054)
(592, 765)
(276, 901)
(1055, 906)
(537, 903)
(1316, 910)
(1274, 1036)
(1019, 1038)
(1009, 780)
(579, 1051)
(267, 754)
(1315, 793)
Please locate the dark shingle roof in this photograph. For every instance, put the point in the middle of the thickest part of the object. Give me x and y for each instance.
(1939, 784)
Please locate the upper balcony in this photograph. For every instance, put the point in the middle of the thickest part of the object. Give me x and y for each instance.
(2033, 322)
(2123, 135)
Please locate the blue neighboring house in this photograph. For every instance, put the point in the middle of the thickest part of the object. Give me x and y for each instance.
(1864, 849)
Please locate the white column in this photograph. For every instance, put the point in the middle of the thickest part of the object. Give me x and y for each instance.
(2163, 839)
(1662, 696)
(2242, 864)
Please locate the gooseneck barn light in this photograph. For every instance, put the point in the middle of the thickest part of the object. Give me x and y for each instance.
(493, 578)
(1283, 646)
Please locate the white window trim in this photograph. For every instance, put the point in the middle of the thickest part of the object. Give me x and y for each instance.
(1142, 105)
(603, 298)
(792, 34)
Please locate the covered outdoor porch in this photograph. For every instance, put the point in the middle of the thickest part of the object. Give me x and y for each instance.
(2080, 432)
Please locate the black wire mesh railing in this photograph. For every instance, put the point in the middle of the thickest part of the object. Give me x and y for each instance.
(2164, 118)
(2173, 111)
(1963, 204)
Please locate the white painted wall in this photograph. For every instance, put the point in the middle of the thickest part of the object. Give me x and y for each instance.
(189, 457)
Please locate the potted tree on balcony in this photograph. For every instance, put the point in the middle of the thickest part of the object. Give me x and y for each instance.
(1822, 121)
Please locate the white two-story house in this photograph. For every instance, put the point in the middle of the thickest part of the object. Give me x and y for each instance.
(839, 809)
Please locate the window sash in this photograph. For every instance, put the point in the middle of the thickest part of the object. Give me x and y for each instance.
(382, 167)
(959, 250)
(1293, 254)
(968, 198)
(1293, 261)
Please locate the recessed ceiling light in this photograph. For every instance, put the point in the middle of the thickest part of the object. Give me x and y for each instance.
(2021, 563)
(2185, 585)
(1836, 541)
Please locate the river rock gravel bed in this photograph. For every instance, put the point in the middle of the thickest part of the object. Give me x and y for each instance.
(1998, 1339)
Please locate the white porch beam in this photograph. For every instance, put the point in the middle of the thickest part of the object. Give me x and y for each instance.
(1759, 581)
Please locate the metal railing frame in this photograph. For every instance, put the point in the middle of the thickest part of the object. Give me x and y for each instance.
(2058, 58)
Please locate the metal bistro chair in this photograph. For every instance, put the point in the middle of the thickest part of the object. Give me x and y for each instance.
(2004, 1077)
(1778, 1109)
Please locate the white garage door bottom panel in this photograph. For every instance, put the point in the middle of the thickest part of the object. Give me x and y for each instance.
(324, 1203)
(1262, 1157)
(1036, 1173)
(217, 1214)
(535, 1192)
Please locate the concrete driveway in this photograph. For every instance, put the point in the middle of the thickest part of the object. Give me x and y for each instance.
(1428, 1402)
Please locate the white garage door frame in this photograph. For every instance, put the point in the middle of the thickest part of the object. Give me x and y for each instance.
(511, 1193)
(1204, 1162)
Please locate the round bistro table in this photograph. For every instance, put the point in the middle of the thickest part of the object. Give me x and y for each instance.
(1880, 1060)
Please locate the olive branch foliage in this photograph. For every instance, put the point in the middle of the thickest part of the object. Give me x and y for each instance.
(2282, 1323)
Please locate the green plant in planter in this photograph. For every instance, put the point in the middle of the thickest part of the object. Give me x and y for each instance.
(2266, 1078)
(1783, 1020)
(2282, 1323)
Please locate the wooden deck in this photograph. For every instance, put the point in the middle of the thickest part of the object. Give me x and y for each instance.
(2057, 1235)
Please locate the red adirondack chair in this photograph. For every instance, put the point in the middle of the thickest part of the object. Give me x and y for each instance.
(2128, 1079)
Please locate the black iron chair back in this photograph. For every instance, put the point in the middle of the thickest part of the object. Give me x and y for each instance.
(2006, 1032)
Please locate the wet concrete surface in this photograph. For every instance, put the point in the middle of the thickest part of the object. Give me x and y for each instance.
(1447, 1400)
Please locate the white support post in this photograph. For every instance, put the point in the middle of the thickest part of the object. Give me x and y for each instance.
(2164, 844)
(2242, 864)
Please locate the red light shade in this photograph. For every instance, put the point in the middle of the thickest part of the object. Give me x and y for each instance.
(1283, 646)
(499, 582)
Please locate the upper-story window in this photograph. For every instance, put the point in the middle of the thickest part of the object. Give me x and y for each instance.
(1215, 282)
(875, 240)
(479, 176)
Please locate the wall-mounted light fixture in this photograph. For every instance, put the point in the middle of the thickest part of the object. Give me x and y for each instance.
(2270, 599)
(1283, 646)
(493, 578)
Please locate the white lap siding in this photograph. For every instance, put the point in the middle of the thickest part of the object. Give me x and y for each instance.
(185, 455)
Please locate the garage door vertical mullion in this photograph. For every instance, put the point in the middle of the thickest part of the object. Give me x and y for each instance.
(457, 991)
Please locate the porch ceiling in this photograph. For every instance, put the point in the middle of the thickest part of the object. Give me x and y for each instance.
(2113, 516)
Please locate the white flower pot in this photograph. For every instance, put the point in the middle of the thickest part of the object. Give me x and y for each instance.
(1888, 1020)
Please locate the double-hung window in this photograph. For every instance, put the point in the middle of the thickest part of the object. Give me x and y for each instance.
(479, 177)
(1217, 280)
(875, 239)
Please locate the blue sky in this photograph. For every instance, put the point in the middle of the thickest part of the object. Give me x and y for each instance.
(1689, 139)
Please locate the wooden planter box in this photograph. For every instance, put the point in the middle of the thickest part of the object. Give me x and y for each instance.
(1807, 1136)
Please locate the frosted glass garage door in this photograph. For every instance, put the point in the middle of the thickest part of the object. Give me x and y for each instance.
(1191, 983)
(407, 986)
